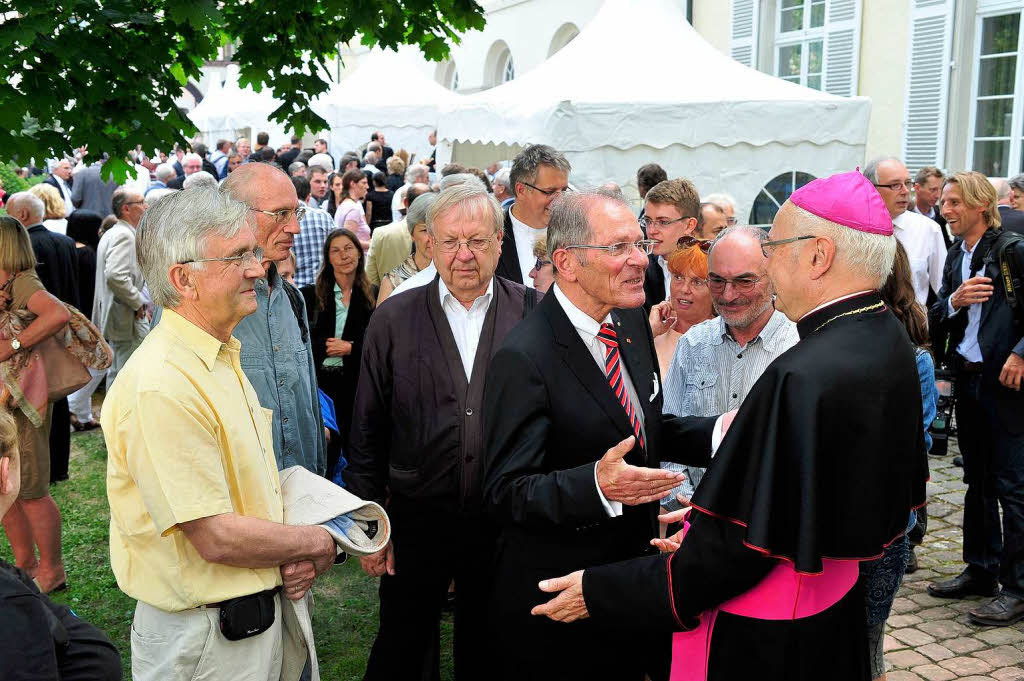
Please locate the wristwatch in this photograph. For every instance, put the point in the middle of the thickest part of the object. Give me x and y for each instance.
(15, 344)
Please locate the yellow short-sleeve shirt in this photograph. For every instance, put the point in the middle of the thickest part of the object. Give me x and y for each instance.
(186, 439)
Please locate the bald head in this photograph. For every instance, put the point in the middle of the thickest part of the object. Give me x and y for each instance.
(267, 189)
(26, 208)
(249, 181)
(1002, 190)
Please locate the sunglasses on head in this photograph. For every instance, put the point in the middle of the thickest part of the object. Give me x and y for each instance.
(688, 241)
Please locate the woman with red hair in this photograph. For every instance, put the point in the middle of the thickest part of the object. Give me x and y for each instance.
(689, 302)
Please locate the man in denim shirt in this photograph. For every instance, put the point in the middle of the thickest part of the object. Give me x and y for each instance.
(276, 353)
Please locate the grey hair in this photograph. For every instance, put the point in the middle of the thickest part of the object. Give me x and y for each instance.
(1017, 182)
(417, 213)
(120, 198)
(460, 197)
(417, 173)
(321, 161)
(176, 228)
(165, 172)
(191, 156)
(371, 157)
(568, 224)
(502, 177)
(869, 255)
(871, 169)
(722, 200)
(460, 178)
(199, 179)
(295, 165)
(525, 165)
(1002, 188)
(612, 189)
(35, 206)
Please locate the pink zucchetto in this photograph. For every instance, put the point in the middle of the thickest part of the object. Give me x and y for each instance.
(847, 199)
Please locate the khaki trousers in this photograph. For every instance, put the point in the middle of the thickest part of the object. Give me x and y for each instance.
(188, 646)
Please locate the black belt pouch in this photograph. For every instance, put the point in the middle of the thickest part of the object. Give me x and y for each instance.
(247, 616)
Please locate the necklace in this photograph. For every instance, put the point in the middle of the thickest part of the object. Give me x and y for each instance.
(869, 308)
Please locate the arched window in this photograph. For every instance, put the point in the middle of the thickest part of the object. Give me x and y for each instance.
(774, 194)
(499, 67)
(447, 74)
(563, 36)
(509, 72)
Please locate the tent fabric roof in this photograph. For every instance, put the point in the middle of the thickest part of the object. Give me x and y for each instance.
(588, 95)
(229, 108)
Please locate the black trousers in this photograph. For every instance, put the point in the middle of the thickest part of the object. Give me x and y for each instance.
(432, 549)
(994, 473)
(60, 441)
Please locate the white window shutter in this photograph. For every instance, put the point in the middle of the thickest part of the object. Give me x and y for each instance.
(743, 32)
(842, 46)
(927, 91)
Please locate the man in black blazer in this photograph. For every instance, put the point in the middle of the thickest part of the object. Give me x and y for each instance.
(988, 356)
(60, 178)
(191, 163)
(1009, 218)
(670, 211)
(575, 435)
(539, 175)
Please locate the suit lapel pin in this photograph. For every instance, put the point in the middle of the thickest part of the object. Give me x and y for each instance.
(628, 340)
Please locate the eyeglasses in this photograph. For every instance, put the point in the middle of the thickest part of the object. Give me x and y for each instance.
(133, 203)
(647, 222)
(741, 284)
(540, 263)
(765, 245)
(255, 256)
(731, 221)
(284, 215)
(548, 192)
(645, 246)
(695, 282)
(895, 186)
(477, 245)
(688, 241)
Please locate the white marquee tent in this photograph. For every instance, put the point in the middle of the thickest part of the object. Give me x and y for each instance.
(389, 92)
(230, 111)
(636, 87)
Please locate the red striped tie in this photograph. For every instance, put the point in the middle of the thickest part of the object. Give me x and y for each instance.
(613, 369)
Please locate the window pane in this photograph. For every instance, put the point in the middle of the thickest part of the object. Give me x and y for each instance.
(999, 34)
(814, 51)
(994, 118)
(814, 82)
(788, 4)
(792, 19)
(992, 158)
(818, 14)
(789, 61)
(996, 75)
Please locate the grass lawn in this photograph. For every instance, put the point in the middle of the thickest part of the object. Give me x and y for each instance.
(345, 612)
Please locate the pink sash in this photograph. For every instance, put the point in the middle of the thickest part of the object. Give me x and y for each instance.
(784, 594)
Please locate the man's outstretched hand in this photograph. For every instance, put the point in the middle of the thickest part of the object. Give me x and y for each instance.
(567, 606)
(670, 544)
(633, 485)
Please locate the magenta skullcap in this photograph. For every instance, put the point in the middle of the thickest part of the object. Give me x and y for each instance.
(847, 199)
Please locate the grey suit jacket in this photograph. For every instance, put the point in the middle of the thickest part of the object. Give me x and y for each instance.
(118, 286)
(90, 192)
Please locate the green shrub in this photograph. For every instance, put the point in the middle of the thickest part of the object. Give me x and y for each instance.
(12, 183)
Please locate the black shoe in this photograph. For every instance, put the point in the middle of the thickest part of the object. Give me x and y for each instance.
(912, 563)
(999, 612)
(964, 585)
(958, 461)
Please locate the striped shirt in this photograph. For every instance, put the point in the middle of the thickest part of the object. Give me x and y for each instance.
(711, 374)
(309, 244)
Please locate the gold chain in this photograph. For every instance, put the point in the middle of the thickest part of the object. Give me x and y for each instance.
(869, 308)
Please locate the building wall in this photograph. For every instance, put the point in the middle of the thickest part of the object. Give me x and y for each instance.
(711, 20)
(884, 37)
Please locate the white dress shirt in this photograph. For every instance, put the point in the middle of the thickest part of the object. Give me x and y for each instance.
(65, 193)
(588, 328)
(466, 324)
(526, 237)
(968, 348)
(421, 278)
(668, 276)
(922, 240)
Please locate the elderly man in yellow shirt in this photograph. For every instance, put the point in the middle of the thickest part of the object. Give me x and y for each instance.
(196, 533)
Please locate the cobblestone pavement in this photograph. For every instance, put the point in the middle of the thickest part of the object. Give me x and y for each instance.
(931, 639)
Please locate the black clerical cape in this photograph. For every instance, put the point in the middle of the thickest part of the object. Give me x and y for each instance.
(823, 463)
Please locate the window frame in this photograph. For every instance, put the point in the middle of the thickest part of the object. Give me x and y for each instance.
(1015, 156)
(802, 37)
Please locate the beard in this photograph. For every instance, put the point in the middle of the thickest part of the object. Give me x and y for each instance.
(741, 319)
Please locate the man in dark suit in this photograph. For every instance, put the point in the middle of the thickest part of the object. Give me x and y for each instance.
(191, 163)
(988, 359)
(539, 175)
(670, 211)
(60, 178)
(287, 157)
(386, 152)
(417, 440)
(575, 433)
(91, 192)
(927, 189)
(1009, 218)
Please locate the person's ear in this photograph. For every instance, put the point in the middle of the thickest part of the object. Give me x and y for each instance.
(822, 253)
(566, 264)
(182, 278)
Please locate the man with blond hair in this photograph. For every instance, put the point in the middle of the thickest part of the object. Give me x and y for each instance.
(988, 359)
(670, 212)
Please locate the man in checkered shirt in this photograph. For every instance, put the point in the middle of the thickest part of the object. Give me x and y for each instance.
(309, 242)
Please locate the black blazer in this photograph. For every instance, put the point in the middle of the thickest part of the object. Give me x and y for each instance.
(550, 415)
(654, 283)
(1012, 220)
(998, 336)
(508, 263)
(52, 181)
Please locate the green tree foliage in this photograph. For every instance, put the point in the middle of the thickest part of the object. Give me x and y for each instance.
(105, 73)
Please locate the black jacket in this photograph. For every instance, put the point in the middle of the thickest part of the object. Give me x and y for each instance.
(57, 263)
(999, 334)
(654, 283)
(508, 263)
(52, 181)
(1012, 220)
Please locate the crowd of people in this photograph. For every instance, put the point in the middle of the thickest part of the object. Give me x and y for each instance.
(599, 436)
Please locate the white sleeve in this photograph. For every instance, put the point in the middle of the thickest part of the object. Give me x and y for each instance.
(613, 508)
(716, 436)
